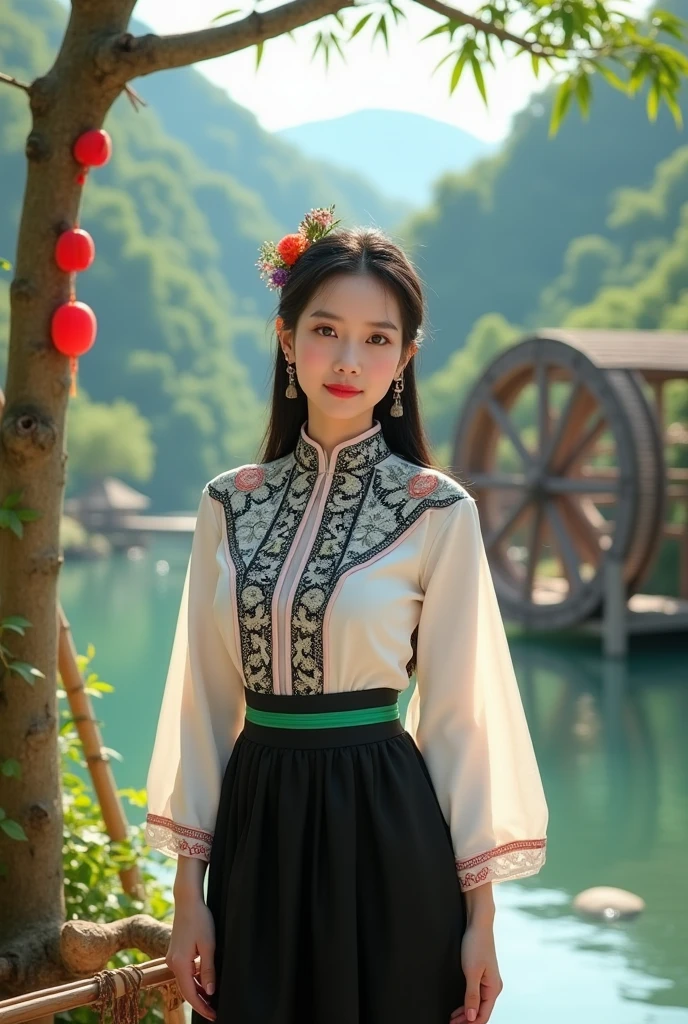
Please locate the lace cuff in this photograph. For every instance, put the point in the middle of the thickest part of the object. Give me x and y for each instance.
(172, 838)
(503, 863)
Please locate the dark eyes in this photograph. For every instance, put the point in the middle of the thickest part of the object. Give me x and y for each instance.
(327, 327)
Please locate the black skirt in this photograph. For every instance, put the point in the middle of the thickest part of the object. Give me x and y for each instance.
(332, 881)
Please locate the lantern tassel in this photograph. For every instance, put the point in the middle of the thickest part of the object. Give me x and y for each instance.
(73, 366)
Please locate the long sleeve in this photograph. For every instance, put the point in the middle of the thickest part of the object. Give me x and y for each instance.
(202, 707)
(466, 714)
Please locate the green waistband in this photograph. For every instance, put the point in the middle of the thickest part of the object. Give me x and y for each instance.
(323, 719)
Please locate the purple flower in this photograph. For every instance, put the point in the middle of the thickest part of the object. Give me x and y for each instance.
(279, 277)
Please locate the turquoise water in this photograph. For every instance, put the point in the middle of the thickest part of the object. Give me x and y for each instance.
(611, 744)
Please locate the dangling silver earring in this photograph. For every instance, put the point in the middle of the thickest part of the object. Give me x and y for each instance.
(291, 391)
(397, 409)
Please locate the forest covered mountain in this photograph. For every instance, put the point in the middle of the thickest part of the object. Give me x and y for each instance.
(401, 152)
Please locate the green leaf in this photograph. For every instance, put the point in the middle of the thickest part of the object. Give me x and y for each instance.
(458, 69)
(225, 14)
(3, 815)
(17, 623)
(479, 80)
(446, 26)
(675, 109)
(5, 264)
(259, 53)
(562, 99)
(29, 515)
(13, 829)
(361, 24)
(612, 78)
(653, 101)
(583, 94)
(12, 499)
(10, 768)
(381, 29)
(26, 671)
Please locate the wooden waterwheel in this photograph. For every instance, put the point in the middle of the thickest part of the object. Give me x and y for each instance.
(561, 443)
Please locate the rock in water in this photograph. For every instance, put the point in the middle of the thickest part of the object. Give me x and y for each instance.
(608, 903)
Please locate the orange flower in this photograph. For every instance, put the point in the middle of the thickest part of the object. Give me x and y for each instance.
(291, 247)
(279, 323)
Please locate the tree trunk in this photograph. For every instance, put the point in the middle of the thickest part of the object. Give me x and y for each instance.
(72, 97)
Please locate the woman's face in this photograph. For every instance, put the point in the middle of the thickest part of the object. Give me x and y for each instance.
(348, 334)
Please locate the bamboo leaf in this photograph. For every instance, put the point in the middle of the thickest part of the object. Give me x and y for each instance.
(561, 103)
(653, 101)
(479, 80)
(361, 24)
(675, 109)
(583, 94)
(225, 14)
(458, 69)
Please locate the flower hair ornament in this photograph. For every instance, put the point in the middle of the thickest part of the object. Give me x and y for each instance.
(277, 258)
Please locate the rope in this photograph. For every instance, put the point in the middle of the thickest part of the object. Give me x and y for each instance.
(123, 1009)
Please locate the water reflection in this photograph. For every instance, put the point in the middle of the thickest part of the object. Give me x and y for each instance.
(611, 743)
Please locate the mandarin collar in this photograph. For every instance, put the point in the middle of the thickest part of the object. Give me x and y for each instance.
(357, 454)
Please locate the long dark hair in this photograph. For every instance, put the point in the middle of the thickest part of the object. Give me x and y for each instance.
(359, 250)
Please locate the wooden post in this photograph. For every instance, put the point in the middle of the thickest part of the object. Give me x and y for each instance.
(615, 624)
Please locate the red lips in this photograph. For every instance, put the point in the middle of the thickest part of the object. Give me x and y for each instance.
(341, 389)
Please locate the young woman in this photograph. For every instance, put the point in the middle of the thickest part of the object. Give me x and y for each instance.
(351, 857)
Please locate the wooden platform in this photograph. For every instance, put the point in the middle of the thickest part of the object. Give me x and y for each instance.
(648, 613)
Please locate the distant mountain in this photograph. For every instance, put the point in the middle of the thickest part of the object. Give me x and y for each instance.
(400, 153)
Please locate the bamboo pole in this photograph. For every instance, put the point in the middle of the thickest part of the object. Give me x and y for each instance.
(35, 1005)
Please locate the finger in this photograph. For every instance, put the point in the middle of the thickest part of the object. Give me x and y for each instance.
(486, 1010)
(207, 968)
(192, 995)
(472, 998)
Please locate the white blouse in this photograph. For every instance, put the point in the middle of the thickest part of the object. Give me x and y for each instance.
(310, 575)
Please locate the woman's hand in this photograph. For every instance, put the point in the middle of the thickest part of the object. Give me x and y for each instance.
(193, 933)
(479, 965)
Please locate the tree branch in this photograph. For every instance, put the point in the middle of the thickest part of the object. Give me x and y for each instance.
(127, 56)
(489, 27)
(11, 80)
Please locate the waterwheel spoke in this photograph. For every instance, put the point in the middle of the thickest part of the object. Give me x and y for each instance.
(542, 387)
(596, 428)
(570, 424)
(585, 536)
(534, 548)
(567, 552)
(503, 420)
(497, 481)
(510, 523)
(606, 486)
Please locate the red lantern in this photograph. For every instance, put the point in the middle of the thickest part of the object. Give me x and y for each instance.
(74, 251)
(73, 330)
(93, 148)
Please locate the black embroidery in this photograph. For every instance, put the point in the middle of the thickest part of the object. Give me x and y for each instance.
(364, 514)
(367, 508)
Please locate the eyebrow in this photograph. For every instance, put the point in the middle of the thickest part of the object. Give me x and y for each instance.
(371, 323)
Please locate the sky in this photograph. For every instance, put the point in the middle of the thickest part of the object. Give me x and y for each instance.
(290, 88)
